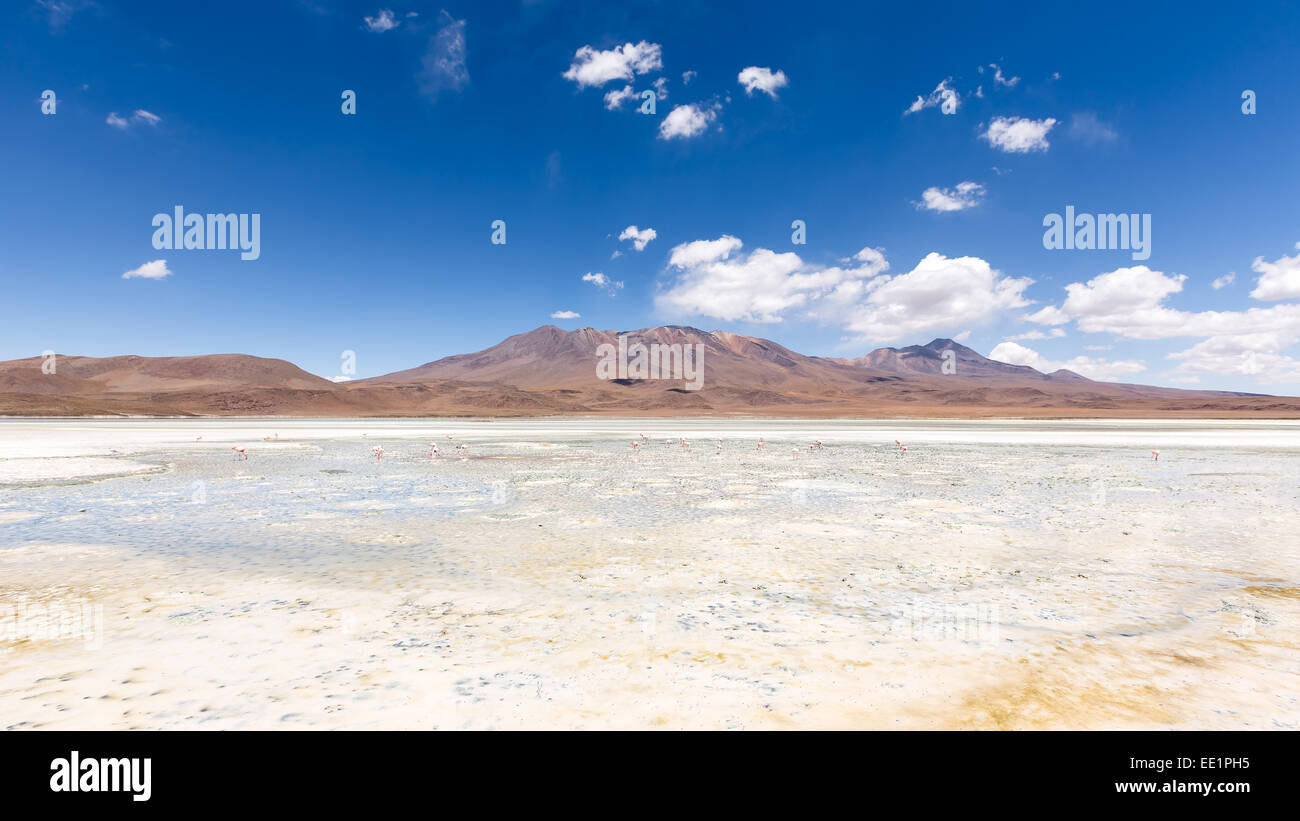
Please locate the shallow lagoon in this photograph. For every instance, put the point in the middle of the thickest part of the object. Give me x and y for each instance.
(996, 574)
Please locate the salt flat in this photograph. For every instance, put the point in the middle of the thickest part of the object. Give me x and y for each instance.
(1025, 574)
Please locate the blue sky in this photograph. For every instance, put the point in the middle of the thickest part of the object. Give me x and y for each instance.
(376, 227)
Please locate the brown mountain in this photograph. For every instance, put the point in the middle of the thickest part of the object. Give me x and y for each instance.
(549, 371)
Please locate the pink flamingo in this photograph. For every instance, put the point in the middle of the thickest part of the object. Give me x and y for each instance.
(1156, 454)
(901, 447)
(761, 444)
(645, 438)
(433, 450)
(378, 450)
(241, 452)
(636, 445)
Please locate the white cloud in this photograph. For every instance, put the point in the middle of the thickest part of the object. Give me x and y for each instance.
(591, 67)
(1130, 302)
(150, 270)
(661, 88)
(1254, 355)
(382, 22)
(939, 293)
(944, 92)
(965, 195)
(1224, 281)
(602, 282)
(713, 279)
(60, 12)
(756, 287)
(1086, 128)
(1280, 278)
(691, 254)
(686, 121)
(616, 97)
(137, 117)
(1100, 369)
(1019, 135)
(1055, 333)
(1000, 80)
(639, 238)
(566, 315)
(758, 78)
(687, 76)
(442, 68)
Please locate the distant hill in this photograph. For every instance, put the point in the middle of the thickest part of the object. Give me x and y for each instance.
(550, 371)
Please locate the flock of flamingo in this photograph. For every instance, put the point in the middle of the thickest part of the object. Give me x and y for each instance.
(462, 448)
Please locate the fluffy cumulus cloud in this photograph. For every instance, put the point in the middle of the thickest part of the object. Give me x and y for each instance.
(602, 282)
(1131, 302)
(1223, 281)
(1094, 368)
(758, 78)
(381, 22)
(686, 121)
(939, 294)
(616, 97)
(150, 270)
(1259, 356)
(640, 238)
(1018, 135)
(1280, 279)
(964, 195)
(714, 278)
(566, 315)
(593, 67)
(943, 94)
(442, 68)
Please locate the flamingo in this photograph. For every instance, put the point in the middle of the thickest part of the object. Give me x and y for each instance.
(240, 452)
(433, 450)
(636, 446)
(761, 444)
(645, 438)
(1156, 454)
(901, 447)
(378, 450)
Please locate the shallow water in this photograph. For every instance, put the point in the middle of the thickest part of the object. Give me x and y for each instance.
(996, 574)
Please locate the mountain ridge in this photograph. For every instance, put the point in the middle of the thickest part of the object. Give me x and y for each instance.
(551, 371)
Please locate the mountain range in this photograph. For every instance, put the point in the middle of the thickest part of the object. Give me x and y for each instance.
(551, 372)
